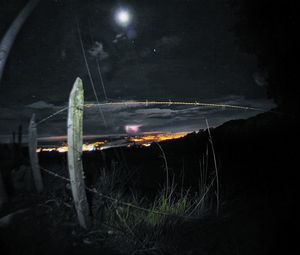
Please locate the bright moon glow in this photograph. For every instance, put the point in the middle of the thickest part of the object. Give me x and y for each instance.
(123, 17)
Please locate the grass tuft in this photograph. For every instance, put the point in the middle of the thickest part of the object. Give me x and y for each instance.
(138, 223)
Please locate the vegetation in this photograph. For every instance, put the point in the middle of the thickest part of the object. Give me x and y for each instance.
(136, 222)
(133, 220)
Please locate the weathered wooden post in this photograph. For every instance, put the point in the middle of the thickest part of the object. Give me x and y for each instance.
(3, 195)
(34, 160)
(75, 117)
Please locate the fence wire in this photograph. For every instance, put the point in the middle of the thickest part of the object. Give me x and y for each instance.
(117, 201)
(52, 115)
(147, 103)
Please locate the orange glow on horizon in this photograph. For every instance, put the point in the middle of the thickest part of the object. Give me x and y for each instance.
(143, 140)
(64, 148)
(157, 138)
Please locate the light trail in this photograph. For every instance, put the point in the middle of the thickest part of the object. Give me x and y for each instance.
(169, 103)
(147, 103)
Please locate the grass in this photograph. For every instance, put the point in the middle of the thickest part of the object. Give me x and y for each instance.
(135, 222)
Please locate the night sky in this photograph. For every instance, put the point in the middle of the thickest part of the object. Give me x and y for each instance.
(172, 50)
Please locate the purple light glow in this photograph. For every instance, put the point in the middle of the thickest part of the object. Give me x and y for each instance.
(132, 129)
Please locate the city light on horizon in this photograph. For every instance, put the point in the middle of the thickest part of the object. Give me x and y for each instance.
(144, 140)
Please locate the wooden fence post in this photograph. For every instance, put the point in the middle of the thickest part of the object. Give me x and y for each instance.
(34, 160)
(75, 117)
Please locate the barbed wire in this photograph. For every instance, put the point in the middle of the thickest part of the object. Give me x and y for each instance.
(89, 72)
(169, 103)
(117, 201)
(97, 62)
(52, 115)
(147, 103)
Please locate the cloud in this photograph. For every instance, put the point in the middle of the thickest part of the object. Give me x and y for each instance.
(151, 118)
(173, 118)
(119, 37)
(168, 42)
(155, 112)
(97, 50)
(41, 105)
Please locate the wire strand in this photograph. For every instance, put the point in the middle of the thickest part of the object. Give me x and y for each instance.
(169, 103)
(52, 115)
(98, 64)
(89, 72)
(112, 199)
(177, 103)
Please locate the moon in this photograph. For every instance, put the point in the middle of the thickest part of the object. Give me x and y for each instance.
(123, 17)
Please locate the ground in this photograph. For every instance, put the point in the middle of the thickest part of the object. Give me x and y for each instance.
(258, 194)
